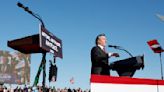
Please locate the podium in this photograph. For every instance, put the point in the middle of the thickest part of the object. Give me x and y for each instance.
(43, 42)
(27, 45)
(128, 67)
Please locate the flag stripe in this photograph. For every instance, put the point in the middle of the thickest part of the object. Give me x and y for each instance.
(155, 46)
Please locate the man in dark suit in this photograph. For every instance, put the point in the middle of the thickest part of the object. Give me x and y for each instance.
(99, 57)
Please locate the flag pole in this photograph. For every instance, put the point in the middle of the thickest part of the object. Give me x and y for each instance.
(161, 65)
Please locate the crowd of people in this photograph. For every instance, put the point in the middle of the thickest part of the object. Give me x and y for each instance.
(40, 89)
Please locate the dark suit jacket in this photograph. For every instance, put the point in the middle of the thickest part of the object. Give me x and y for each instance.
(99, 60)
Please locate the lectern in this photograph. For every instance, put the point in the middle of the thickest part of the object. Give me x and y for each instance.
(128, 67)
(27, 45)
(39, 43)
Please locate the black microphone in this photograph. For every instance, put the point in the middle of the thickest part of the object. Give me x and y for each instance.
(30, 12)
(20, 5)
(114, 46)
(25, 8)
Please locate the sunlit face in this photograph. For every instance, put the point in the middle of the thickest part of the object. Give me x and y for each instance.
(102, 41)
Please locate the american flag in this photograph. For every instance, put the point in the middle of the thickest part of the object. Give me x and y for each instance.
(53, 78)
(155, 46)
(72, 81)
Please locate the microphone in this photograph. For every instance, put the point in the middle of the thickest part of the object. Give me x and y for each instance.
(114, 46)
(25, 8)
(30, 12)
(20, 5)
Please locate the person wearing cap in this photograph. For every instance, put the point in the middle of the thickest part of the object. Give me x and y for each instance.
(99, 56)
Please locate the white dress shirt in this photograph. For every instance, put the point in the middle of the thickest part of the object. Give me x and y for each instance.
(102, 47)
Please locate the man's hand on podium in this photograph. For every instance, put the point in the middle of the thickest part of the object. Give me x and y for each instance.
(115, 55)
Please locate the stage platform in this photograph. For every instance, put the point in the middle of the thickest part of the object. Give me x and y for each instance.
(101, 83)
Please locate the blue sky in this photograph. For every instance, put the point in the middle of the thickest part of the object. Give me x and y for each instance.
(128, 23)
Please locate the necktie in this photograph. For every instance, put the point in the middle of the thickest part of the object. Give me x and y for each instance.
(104, 50)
